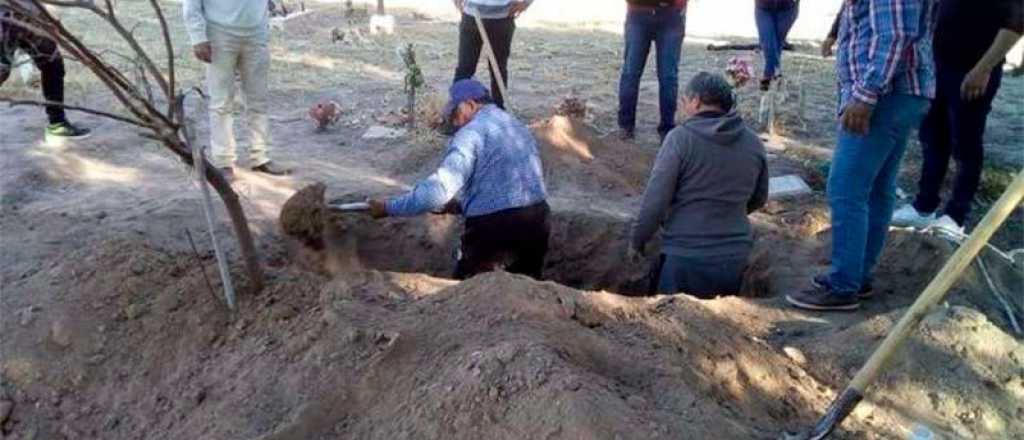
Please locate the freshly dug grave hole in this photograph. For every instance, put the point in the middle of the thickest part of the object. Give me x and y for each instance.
(586, 249)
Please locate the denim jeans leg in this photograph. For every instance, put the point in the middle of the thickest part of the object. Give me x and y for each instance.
(856, 163)
(669, 42)
(637, 38)
(906, 115)
(766, 34)
(784, 20)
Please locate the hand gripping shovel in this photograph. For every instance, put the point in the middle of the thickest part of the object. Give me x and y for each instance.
(932, 295)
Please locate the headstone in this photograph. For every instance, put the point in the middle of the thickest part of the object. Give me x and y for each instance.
(788, 185)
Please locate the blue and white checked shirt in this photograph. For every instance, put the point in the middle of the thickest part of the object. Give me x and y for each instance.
(492, 164)
(885, 46)
(491, 8)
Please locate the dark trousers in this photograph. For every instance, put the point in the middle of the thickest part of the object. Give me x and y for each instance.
(47, 59)
(665, 27)
(499, 31)
(954, 128)
(703, 277)
(515, 240)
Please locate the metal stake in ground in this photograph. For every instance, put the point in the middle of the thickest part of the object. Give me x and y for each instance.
(199, 165)
(491, 59)
(935, 292)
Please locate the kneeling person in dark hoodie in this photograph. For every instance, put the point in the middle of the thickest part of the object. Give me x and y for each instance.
(711, 172)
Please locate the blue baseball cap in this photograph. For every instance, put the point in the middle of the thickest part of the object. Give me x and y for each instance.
(461, 91)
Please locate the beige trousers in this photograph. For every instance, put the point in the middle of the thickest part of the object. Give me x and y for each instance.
(249, 57)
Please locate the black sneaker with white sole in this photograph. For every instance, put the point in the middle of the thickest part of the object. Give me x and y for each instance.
(823, 299)
(866, 290)
(66, 130)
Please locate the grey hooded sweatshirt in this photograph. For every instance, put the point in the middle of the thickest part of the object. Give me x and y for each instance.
(710, 173)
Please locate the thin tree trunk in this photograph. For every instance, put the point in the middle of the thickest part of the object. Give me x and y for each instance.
(380, 7)
(245, 241)
(412, 107)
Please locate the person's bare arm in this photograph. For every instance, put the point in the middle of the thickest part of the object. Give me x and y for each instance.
(976, 82)
(833, 34)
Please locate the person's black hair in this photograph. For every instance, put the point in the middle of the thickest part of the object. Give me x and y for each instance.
(711, 89)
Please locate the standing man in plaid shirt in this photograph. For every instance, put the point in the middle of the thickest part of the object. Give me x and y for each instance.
(886, 83)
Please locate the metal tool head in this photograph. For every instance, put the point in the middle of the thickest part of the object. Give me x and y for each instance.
(349, 207)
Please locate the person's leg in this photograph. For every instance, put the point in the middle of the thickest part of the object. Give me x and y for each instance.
(532, 243)
(254, 65)
(856, 165)
(968, 124)
(637, 38)
(674, 276)
(704, 277)
(669, 41)
(768, 38)
(479, 251)
(500, 32)
(936, 147)
(469, 48)
(48, 60)
(784, 20)
(220, 79)
(905, 115)
(654, 275)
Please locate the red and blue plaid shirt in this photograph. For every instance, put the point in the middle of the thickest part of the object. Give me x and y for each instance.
(885, 46)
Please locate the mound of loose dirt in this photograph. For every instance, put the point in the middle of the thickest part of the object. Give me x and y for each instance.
(304, 215)
(960, 374)
(386, 355)
(578, 159)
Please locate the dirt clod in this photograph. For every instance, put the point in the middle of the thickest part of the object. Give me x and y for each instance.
(303, 216)
(60, 334)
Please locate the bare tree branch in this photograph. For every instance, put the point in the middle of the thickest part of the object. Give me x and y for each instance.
(164, 127)
(169, 48)
(84, 4)
(125, 119)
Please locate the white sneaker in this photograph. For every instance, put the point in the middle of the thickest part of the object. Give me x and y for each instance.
(909, 217)
(947, 224)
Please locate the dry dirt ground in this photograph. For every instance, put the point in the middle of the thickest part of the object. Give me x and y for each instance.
(108, 329)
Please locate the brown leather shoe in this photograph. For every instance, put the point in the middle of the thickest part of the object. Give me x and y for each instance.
(272, 168)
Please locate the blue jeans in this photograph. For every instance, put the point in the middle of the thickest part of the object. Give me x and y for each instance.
(664, 27)
(862, 188)
(772, 29)
(703, 277)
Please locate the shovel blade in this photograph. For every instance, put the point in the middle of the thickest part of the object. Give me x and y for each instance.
(349, 207)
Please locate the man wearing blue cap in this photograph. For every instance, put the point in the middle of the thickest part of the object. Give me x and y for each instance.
(491, 174)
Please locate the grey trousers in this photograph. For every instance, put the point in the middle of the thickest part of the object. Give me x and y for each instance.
(703, 277)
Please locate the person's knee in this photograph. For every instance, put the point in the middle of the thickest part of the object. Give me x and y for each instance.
(668, 78)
